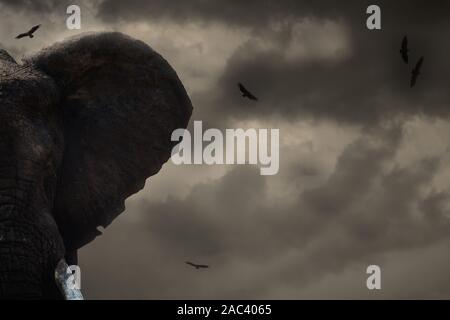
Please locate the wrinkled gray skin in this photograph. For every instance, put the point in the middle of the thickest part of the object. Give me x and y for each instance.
(83, 123)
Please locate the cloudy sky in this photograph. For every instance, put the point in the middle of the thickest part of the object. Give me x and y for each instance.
(364, 160)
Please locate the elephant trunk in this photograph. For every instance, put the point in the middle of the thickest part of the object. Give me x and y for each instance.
(20, 263)
(29, 243)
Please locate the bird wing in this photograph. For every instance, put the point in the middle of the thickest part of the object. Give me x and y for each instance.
(404, 49)
(416, 72)
(419, 65)
(247, 93)
(405, 56)
(22, 35)
(413, 79)
(32, 30)
(243, 89)
(197, 266)
(405, 44)
(252, 97)
(191, 264)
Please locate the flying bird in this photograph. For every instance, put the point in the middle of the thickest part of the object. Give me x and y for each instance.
(29, 33)
(246, 93)
(404, 50)
(197, 266)
(416, 71)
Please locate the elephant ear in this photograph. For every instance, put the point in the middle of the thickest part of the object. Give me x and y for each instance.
(120, 102)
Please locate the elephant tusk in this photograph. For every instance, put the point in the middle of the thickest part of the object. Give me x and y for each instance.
(66, 282)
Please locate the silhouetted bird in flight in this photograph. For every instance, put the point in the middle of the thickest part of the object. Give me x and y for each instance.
(29, 33)
(404, 50)
(416, 71)
(246, 93)
(197, 266)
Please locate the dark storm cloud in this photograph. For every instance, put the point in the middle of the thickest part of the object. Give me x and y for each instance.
(256, 13)
(38, 7)
(369, 86)
(362, 210)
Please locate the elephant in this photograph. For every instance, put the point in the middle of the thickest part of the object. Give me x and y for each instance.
(83, 124)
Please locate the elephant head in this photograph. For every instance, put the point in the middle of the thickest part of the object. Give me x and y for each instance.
(83, 124)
